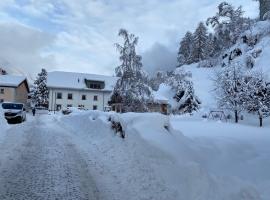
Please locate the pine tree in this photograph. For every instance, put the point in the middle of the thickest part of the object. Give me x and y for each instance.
(40, 92)
(200, 40)
(185, 50)
(132, 89)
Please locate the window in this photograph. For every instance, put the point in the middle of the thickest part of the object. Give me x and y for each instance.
(95, 98)
(83, 97)
(70, 96)
(2, 91)
(95, 107)
(69, 105)
(95, 84)
(59, 95)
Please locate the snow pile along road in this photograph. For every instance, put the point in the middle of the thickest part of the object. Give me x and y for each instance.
(154, 162)
(3, 121)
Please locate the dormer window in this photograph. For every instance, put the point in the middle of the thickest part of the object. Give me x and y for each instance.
(97, 85)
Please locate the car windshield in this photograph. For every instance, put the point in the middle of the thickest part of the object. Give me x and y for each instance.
(12, 106)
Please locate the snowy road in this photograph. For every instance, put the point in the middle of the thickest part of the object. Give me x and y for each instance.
(39, 161)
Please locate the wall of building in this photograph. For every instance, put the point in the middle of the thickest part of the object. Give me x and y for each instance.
(102, 101)
(21, 93)
(8, 95)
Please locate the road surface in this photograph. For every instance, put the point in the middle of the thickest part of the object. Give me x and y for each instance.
(39, 161)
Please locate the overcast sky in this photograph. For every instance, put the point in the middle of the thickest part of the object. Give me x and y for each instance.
(79, 35)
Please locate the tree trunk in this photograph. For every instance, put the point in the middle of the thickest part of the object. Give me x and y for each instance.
(261, 121)
(236, 116)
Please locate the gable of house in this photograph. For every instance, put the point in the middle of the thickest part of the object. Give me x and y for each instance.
(13, 88)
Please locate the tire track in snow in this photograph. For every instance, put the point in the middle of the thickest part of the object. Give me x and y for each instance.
(39, 161)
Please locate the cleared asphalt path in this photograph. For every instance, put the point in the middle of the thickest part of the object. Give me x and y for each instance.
(39, 161)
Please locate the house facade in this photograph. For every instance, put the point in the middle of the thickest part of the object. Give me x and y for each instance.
(86, 91)
(13, 89)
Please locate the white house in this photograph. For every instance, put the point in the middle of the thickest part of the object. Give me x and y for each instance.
(89, 91)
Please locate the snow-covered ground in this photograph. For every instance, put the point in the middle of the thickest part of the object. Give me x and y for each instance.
(80, 157)
(3, 123)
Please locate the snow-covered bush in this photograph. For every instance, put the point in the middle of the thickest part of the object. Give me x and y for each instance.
(250, 62)
(250, 39)
(184, 94)
(256, 53)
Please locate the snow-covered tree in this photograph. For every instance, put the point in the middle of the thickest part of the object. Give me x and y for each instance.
(200, 43)
(159, 78)
(132, 89)
(40, 93)
(257, 95)
(264, 8)
(228, 24)
(229, 83)
(187, 101)
(185, 50)
(213, 46)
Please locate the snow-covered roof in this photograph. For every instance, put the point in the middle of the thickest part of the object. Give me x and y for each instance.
(73, 80)
(161, 96)
(11, 80)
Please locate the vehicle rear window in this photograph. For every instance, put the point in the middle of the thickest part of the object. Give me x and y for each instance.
(12, 106)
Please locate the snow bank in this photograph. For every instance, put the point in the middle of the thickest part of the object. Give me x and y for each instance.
(154, 162)
(3, 121)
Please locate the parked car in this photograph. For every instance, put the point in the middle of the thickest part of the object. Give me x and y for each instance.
(66, 111)
(14, 112)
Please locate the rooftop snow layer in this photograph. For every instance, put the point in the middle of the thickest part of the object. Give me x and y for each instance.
(11, 80)
(71, 80)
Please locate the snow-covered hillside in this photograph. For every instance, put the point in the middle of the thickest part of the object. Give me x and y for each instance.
(256, 50)
(254, 46)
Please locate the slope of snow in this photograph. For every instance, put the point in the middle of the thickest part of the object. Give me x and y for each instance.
(203, 85)
(263, 62)
(231, 150)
